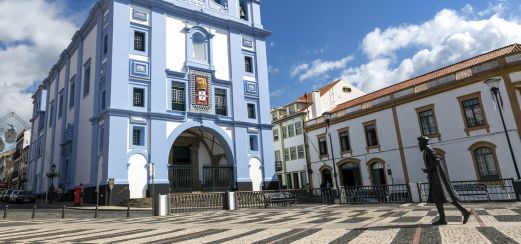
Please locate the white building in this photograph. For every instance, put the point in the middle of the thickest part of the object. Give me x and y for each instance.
(291, 162)
(375, 136)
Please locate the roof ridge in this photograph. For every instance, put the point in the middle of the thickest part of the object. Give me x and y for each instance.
(511, 46)
(515, 47)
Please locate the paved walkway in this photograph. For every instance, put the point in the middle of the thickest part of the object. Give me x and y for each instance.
(408, 223)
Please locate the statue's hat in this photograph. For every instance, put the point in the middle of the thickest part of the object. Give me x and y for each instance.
(423, 139)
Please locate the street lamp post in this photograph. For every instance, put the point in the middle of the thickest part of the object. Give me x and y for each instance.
(493, 83)
(52, 175)
(53, 172)
(327, 116)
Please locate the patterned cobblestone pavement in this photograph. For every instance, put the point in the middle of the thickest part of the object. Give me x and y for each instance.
(408, 223)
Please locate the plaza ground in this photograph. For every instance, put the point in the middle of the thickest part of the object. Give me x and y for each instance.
(406, 223)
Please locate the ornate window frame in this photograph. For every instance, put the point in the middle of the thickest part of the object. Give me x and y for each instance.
(492, 148)
(342, 130)
(377, 146)
(324, 136)
(477, 95)
(424, 109)
(146, 31)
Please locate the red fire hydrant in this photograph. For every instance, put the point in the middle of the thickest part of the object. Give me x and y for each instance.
(77, 196)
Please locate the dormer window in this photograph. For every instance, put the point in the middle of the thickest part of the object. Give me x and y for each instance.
(200, 46)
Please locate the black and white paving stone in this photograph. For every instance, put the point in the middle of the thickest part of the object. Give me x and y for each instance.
(490, 223)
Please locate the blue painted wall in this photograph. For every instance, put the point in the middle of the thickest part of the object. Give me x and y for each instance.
(113, 77)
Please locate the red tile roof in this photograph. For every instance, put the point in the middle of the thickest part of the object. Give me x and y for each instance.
(514, 48)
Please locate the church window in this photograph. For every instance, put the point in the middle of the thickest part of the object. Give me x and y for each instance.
(248, 64)
(139, 41)
(178, 96)
(220, 102)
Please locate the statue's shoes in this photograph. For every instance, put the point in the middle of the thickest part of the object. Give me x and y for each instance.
(440, 222)
(466, 217)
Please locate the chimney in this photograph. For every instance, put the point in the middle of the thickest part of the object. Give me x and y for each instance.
(316, 107)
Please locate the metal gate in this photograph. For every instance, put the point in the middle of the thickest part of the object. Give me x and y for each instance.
(218, 178)
(181, 178)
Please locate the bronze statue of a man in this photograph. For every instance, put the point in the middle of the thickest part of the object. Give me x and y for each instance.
(440, 189)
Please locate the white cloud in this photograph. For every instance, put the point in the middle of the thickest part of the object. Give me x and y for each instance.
(298, 69)
(34, 32)
(321, 50)
(318, 68)
(272, 70)
(277, 93)
(400, 52)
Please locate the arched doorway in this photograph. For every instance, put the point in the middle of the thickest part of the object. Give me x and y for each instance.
(327, 179)
(350, 174)
(200, 160)
(378, 173)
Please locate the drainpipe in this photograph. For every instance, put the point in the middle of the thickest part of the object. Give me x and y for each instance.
(282, 157)
(306, 148)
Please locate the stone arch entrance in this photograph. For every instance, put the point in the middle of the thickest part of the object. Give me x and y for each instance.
(200, 159)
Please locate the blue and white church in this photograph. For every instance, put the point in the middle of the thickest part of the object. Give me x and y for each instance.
(165, 93)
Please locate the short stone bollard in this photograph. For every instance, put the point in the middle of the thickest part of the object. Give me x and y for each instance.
(128, 210)
(63, 212)
(34, 212)
(96, 211)
(5, 211)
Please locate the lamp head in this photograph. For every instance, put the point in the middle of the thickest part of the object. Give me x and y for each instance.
(327, 116)
(53, 167)
(492, 82)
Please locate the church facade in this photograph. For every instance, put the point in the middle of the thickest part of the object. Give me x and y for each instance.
(170, 93)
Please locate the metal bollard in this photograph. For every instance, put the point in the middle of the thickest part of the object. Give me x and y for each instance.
(63, 212)
(5, 211)
(34, 212)
(128, 210)
(96, 211)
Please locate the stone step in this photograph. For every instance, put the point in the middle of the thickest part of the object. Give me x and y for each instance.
(138, 202)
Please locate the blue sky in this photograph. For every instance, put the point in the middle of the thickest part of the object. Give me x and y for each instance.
(371, 44)
(305, 31)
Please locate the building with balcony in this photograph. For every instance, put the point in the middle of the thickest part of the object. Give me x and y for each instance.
(290, 143)
(374, 137)
(21, 160)
(170, 93)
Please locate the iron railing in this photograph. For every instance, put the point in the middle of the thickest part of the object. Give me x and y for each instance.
(218, 178)
(478, 190)
(248, 199)
(188, 202)
(398, 193)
